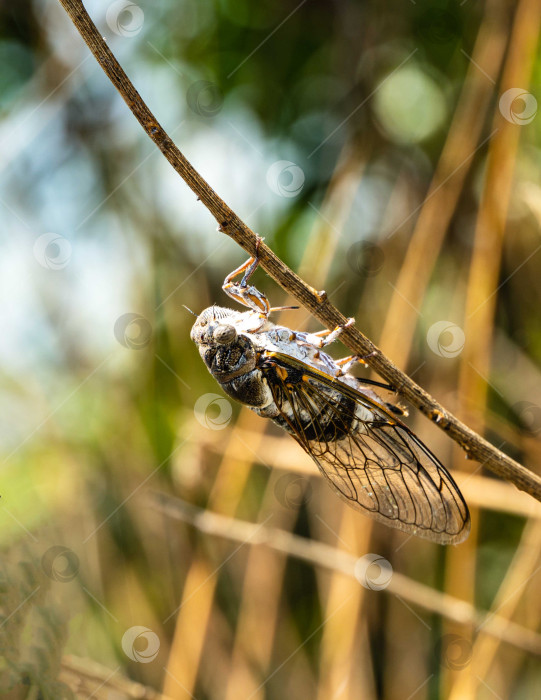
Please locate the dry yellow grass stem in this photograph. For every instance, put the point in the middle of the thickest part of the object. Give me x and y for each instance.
(197, 599)
(436, 211)
(484, 271)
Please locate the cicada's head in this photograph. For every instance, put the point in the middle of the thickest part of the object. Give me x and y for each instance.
(215, 325)
(226, 352)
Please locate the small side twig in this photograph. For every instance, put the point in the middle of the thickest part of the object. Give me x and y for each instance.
(476, 447)
(86, 678)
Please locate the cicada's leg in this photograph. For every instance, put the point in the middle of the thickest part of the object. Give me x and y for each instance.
(330, 364)
(245, 294)
(346, 363)
(337, 368)
(326, 337)
(284, 308)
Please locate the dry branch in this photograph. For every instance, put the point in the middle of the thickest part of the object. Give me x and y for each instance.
(476, 447)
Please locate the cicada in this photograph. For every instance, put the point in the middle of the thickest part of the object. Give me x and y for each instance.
(370, 458)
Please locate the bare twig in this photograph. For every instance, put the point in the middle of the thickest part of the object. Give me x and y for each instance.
(321, 554)
(317, 303)
(89, 679)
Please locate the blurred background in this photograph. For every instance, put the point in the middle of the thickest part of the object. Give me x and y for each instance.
(156, 538)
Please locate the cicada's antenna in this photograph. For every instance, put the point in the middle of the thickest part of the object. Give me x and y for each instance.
(192, 312)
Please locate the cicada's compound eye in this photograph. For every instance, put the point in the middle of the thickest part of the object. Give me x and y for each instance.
(224, 334)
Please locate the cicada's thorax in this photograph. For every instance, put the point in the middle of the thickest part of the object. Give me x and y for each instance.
(237, 349)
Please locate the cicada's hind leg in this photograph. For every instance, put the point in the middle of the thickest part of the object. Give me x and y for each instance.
(346, 363)
(246, 294)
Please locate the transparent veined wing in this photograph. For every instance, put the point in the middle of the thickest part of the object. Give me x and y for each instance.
(370, 458)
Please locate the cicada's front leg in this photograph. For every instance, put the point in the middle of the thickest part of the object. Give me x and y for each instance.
(246, 294)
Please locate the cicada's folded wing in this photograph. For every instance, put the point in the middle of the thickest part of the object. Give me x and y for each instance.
(373, 461)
